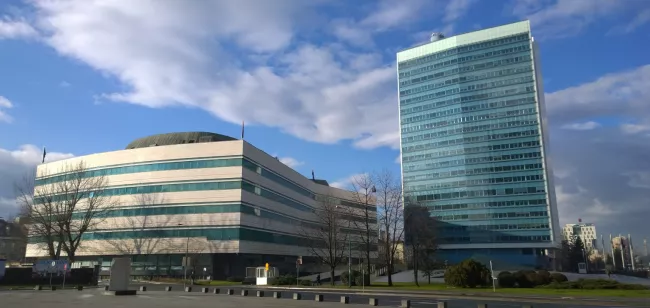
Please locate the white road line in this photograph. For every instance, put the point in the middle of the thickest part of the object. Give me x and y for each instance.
(86, 296)
(188, 297)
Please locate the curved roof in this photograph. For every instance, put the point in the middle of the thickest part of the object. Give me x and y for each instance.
(177, 138)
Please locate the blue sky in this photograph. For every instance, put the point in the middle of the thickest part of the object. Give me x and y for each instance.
(315, 82)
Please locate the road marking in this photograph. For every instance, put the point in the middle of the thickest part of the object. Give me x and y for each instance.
(188, 297)
(86, 296)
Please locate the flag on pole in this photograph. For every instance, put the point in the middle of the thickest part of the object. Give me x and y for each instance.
(44, 153)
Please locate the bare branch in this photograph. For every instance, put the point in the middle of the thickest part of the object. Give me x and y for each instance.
(390, 219)
(363, 187)
(327, 242)
(61, 210)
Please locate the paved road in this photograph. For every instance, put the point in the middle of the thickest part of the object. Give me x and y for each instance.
(384, 300)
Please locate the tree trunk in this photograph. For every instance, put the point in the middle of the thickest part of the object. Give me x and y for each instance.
(415, 266)
(389, 268)
(332, 276)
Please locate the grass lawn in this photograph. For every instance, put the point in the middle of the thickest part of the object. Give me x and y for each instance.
(523, 291)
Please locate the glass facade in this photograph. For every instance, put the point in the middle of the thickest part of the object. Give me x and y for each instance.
(471, 140)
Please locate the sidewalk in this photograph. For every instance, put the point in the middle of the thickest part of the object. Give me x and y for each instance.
(466, 293)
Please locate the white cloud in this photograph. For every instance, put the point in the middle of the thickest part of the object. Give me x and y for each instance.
(5, 104)
(17, 164)
(642, 18)
(456, 9)
(635, 128)
(638, 179)
(623, 94)
(64, 84)
(291, 162)
(167, 53)
(346, 183)
(15, 28)
(582, 126)
(564, 18)
(398, 159)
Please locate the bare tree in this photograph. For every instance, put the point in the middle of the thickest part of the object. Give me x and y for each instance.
(60, 212)
(363, 187)
(141, 220)
(327, 242)
(420, 234)
(390, 218)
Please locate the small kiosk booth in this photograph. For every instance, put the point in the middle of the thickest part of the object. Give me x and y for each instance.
(264, 273)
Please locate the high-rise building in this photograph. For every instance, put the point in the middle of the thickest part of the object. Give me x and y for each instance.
(585, 231)
(474, 145)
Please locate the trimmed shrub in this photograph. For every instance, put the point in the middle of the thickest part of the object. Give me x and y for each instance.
(506, 280)
(595, 284)
(362, 280)
(304, 282)
(558, 277)
(345, 277)
(544, 277)
(467, 274)
(522, 279)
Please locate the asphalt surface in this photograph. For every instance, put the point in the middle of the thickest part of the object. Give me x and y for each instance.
(388, 300)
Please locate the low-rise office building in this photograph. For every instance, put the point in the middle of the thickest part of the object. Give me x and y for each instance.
(222, 202)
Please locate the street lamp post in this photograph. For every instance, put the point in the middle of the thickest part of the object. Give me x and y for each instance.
(187, 250)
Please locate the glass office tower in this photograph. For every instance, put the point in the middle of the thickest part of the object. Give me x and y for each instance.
(474, 148)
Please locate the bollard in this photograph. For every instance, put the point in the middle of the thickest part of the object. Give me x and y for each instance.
(168, 288)
(38, 288)
(244, 292)
(260, 293)
(277, 294)
(231, 291)
(216, 291)
(205, 290)
(52, 288)
(345, 299)
(143, 289)
(373, 301)
(442, 304)
(318, 297)
(105, 288)
(297, 296)
(188, 289)
(482, 306)
(80, 288)
(406, 303)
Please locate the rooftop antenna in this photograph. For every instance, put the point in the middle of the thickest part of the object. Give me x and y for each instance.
(436, 36)
(242, 130)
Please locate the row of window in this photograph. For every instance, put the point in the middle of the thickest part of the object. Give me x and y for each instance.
(475, 160)
(462, 129)
(465, 140)
(482, 205)
(462, 49)
(470, 67)
(484, 216)
(209, 209)
(481, 193)
(469, 172)
(495, 239)
(464, 79)
(465, 118)
(477, 182)
(463, 150)
(466, 98)
(190, 164)
(464, 109)
(482, 86)
(513, 48)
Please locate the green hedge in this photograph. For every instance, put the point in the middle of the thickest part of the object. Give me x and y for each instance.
(468, 274)
(594, 284)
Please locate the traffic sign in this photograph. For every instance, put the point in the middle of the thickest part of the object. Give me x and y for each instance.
(53, 263)
(266, 266)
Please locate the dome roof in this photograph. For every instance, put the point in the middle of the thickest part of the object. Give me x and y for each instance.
(177, 138)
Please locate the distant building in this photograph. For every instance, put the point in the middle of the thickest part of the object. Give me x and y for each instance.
(12, 240)
(585, 231)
